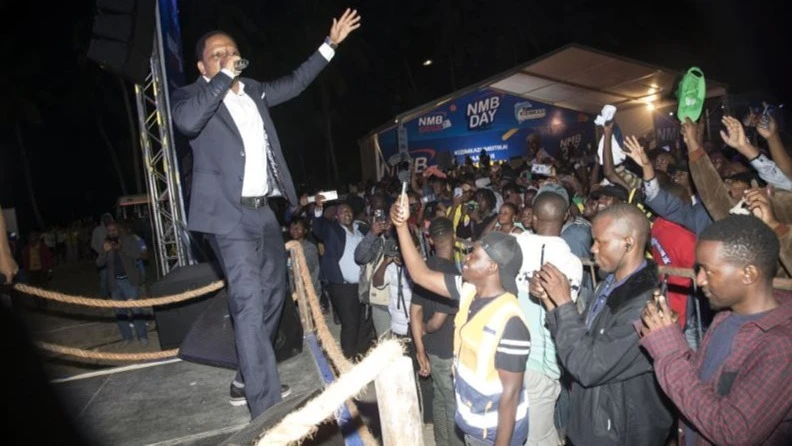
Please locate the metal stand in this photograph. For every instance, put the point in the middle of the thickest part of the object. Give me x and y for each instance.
(160, 161)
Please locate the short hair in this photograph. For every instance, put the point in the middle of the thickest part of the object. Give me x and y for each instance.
(631, 217)
(301, 222)
(511, 187)
(512, 206)
(489, 197)
(746, 240)
(550, 206)
(200, 45)
(441, 228)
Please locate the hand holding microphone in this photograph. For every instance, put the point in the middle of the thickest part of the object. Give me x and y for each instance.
(234, 62)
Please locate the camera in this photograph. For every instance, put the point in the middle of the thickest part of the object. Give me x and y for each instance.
(392, 249)
(379, 215)
(471, 206)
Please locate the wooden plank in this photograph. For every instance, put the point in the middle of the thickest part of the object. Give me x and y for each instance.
(397, 400)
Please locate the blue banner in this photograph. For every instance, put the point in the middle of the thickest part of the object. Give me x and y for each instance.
(172, 43)
(491, 120)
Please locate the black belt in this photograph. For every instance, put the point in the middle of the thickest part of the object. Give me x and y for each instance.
(253, 202)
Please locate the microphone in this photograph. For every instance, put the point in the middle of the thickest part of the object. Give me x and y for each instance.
(241, 64)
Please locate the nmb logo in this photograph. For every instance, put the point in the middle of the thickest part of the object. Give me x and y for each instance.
(667, 133)
(430, 120)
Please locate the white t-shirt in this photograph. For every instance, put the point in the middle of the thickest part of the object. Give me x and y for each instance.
(399, 311)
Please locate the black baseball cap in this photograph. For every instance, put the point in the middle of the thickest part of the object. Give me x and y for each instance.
(504, 250)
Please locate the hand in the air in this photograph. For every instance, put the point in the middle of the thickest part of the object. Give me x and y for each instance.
(635, 151)
(769, 131)
(734, 136)
(399, 214)
(758, 202)
(341, 28)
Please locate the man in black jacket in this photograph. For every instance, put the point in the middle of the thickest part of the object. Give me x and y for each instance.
(614, 399)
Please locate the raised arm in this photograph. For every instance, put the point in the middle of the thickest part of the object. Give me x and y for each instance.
(287, 87)
(711, 189)
(419, 272)
(767, 169)
(608, 166)
(777, 150)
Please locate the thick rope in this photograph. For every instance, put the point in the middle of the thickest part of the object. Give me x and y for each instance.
(91, 354)
(303, 423)
(103, 303)
(326, 340)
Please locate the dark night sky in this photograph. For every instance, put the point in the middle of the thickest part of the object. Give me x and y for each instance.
(57, 99)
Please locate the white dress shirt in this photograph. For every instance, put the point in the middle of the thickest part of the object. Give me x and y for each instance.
(248, 121)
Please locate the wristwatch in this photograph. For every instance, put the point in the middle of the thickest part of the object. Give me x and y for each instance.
(330, 42)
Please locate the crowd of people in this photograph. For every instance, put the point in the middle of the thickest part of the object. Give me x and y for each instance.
(119, 253)
(534, 304)
(528, 291)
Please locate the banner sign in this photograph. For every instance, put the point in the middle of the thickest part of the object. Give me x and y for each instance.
(491, 120)
(172, 43)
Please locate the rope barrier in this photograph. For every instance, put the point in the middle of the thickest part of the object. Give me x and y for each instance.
(301, 424)
(91, 354)
(328, 343)
(103, 303)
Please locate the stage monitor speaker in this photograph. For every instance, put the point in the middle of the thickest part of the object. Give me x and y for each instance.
(175, 320)
(211, 338)
(123, 37)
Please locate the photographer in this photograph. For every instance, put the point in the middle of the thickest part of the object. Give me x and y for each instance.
(477, 215)
(391, 274)
(370, 255)
(120, 253)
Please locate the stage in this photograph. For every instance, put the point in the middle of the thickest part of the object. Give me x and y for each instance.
(175, 402)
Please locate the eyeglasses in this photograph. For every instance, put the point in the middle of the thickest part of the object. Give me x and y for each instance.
(223, 54)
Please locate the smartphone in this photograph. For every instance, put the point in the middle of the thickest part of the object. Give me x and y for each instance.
(541, 169)
(471, 206)
(328, 196)
(379, 215)
(662, 296)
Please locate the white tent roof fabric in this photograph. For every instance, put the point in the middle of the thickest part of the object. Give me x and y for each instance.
(582, 79)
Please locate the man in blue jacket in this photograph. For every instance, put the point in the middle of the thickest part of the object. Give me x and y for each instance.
(340, 271)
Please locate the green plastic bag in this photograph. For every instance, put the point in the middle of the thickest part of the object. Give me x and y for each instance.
(692, 92)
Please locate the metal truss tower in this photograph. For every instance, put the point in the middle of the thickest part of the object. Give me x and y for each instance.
(171, 239)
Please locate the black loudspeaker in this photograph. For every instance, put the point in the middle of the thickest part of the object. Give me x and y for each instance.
(211, 339)
(175, 320)
(123, 37)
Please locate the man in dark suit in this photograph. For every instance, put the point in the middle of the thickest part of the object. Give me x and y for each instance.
(238, 166)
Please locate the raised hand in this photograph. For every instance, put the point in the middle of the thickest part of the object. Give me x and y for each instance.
(399, 214)
(689, 132)
(341, 28)
(758, 202)
(769, 131)
(635, 151)
(734, 136)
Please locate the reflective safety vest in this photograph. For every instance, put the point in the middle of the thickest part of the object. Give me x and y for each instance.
(477, 384)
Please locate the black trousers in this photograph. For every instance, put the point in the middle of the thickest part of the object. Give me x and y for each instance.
(253, 258)
(354, 338)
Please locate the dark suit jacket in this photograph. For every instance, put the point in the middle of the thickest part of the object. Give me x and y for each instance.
(218, 152)
(333, 235)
